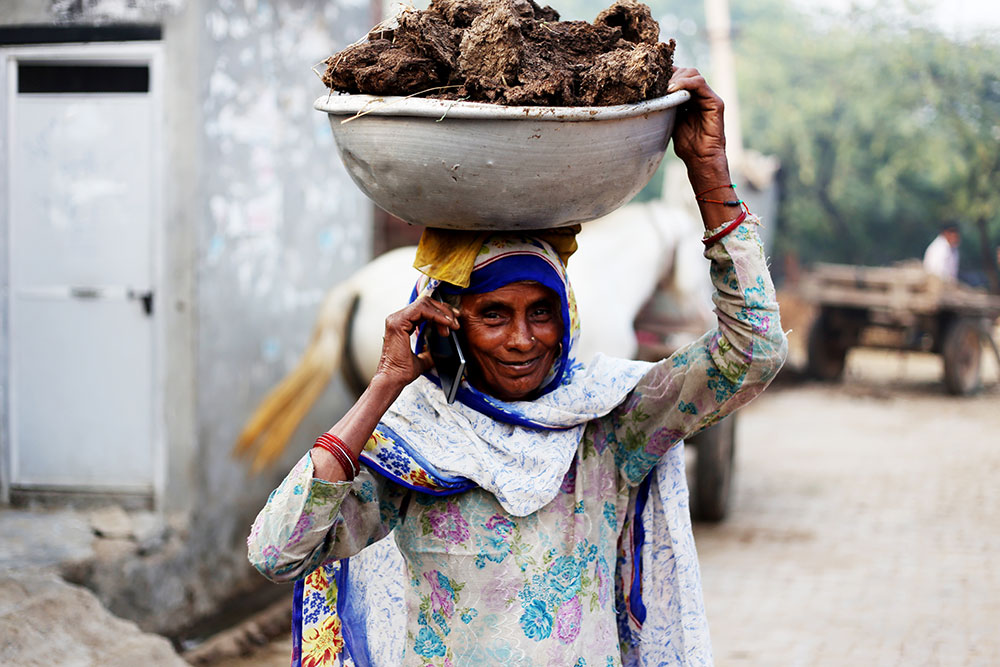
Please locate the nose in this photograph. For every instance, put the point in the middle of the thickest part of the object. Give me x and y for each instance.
(520, 337)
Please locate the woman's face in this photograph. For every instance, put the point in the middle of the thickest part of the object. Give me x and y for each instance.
(512, 337)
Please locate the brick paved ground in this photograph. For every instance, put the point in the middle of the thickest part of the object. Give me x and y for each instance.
(866, 526)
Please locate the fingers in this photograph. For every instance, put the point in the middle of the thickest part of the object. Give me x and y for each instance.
(424, 361)
(439, 313)
(684, 78)
(699, 130)
(691, 80)
(423, 309)
(445, 311)
(398, 360)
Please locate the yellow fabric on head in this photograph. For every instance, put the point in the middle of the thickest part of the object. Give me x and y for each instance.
(449, 254)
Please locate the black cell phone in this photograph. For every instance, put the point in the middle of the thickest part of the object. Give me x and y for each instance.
(449, 361)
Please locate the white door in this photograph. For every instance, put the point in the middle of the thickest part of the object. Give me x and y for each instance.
(82, 183)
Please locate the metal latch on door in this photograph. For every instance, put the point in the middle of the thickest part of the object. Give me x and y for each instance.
(145, 296)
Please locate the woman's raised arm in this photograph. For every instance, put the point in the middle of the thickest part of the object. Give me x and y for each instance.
(315, 514)
(699, 140)
(730, 365)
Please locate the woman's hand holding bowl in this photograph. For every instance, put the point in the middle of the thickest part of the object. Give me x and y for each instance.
(699, 140)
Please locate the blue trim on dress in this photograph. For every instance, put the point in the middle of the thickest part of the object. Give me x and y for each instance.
(487, 405)
(484, 404)
(297, 595)
(446, 486)
(352, 626)
(636, 606)
(437, 476)
(450, 491)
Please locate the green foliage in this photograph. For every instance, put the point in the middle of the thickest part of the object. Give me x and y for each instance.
(884, 128)
(883, 133)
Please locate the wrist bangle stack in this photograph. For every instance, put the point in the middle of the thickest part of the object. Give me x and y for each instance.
(724, 202)
(336, 447)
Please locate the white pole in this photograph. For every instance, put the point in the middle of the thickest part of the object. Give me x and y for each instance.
(723, 78)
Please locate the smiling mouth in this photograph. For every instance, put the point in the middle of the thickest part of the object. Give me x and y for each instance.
(520, 365)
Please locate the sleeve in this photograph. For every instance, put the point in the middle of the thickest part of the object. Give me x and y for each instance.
(704, 381)
(941, 259)
(308, 521)
(934, 258)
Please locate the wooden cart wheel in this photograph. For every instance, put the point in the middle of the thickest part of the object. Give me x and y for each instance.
(826, 354)
(713, 474)
(962, 351)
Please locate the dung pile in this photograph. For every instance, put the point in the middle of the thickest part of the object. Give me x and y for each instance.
(510, 52)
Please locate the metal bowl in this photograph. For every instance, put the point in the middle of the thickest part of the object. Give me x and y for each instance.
(469, 165)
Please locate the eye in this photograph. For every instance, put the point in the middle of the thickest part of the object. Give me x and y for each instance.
(492, 316)
(542, 313)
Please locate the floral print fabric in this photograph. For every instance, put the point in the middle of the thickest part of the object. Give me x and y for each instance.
(484, 586)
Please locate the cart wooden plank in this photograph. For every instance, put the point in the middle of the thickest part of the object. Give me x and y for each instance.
(906, 288)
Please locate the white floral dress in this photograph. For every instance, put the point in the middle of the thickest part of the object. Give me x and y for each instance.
(485, 586)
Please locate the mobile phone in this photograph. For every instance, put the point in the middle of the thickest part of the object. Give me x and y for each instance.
(449, 361)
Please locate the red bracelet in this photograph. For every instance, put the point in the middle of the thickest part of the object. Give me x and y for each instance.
(727, 228)
(342, 461)
(336, 447)
(342, 446)
(717, 187)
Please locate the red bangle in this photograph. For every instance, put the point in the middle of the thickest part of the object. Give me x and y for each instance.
(728, 228)
(342, 460)
(336, 447)
(339, 457)
(342, 446)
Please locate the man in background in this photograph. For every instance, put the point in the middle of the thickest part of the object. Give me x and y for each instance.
(941, 256)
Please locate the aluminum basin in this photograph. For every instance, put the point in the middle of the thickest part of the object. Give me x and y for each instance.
(469, 165)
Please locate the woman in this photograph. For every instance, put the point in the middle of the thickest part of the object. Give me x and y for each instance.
(542, 517)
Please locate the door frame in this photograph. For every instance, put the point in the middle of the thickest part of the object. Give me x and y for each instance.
(150, 54)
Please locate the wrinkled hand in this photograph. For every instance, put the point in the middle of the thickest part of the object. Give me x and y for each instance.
(700, 141)
(699, 134)
(398, 363)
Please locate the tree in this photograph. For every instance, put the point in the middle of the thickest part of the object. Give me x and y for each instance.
(883, 132)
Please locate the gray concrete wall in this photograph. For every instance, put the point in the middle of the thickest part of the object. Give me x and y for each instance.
(261, 220)
(280, 223)
(87, 12)
(182, 173)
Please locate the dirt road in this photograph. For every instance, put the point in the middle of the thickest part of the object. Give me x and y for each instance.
(866, 525)
(865, 528)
